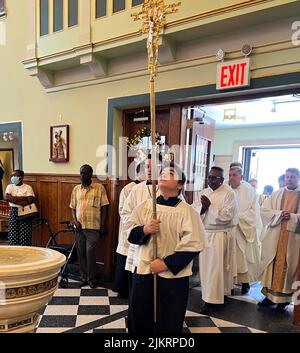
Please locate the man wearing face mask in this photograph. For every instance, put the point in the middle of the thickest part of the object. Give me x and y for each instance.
(19, 195)
(89, 208)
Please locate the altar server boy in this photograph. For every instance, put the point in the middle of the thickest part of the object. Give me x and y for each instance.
(180, 237)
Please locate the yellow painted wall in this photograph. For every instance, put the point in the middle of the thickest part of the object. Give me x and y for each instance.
(85, 109)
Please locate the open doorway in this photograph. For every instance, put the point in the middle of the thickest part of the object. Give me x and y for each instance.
(267, 163)
(10, 152)
(262, 133)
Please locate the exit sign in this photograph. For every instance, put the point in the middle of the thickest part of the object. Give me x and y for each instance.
(233, 74)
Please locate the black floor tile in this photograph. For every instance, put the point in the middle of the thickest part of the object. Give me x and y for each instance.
(234, 330)
(117, 301)
(199, 321)
(94, 292)
(73, 285)
(93, 310)
(58, 321)
(110, 330)
(64, 301)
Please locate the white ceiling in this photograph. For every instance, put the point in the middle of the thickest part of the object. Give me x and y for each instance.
(282, 110)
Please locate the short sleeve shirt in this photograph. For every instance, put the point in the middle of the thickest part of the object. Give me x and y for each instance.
(23, 190)
(87, 201)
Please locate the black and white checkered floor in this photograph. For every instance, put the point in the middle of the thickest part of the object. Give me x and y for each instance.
(85, 310)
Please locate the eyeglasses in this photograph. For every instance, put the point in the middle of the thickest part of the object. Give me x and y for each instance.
(213, 177)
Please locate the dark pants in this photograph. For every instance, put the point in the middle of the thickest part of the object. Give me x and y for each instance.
(172, 296)
(86, 243)
(122, 277)
(19, 232)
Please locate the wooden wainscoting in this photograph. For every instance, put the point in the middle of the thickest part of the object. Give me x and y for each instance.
(53, 198)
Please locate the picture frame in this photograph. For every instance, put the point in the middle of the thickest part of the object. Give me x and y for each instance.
(59, 143)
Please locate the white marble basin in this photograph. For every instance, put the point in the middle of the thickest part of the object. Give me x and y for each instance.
(28, 280)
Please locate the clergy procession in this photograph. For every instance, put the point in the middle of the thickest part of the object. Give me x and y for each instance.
(238, 243)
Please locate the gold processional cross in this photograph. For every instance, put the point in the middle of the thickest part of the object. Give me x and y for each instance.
(153, 15)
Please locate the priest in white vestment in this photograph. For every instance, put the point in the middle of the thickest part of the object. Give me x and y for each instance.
(247, 245)
(281, 242)
(217, 205)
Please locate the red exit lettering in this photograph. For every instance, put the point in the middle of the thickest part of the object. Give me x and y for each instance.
(233, 75)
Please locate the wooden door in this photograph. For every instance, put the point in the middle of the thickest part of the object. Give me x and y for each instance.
(200, 135)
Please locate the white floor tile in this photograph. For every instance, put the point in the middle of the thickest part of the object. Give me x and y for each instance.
(86, 319)
(94, 301)
(61, 310)
(117, 308)
(114, 324)
(254, 330)
(192, 313)
(51, 329)
(223, 323)
(67, 292)
(111, 293)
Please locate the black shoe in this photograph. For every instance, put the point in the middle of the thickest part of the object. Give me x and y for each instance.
(265, 303)
(83, 283)
(206, 309)
(281, 307)
(245, 288)
(93, 285)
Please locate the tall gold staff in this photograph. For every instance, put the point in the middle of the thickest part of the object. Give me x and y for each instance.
(153, 15)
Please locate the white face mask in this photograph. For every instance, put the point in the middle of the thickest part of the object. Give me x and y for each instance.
(15, 180)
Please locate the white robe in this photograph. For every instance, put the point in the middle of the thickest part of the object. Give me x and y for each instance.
(180, 230)
(217, 262)
(139, 193)
(247, 245)
(270, 212)
(123, 244)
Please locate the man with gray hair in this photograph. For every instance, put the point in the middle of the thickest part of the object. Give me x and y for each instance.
(281, 242)
(247, 248)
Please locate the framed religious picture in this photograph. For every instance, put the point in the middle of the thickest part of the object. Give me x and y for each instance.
(59, 143)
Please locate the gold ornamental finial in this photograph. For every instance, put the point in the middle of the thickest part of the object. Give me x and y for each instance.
(153, 15)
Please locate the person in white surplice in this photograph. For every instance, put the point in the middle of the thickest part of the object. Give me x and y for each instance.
(122, 277)
(247, 246)
(138, 194)
(217, 205)
(281, 242)
(180, 237)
